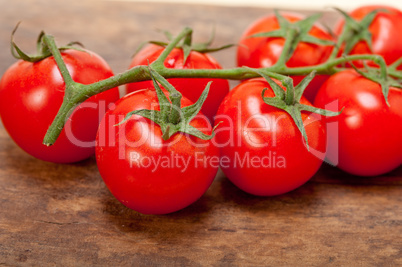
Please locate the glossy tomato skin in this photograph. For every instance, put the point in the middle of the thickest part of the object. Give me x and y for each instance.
(189, 87)
(128, 156)
(366, 139)
(265, 52)
(32, 93)
(385, 29)
(262, 151)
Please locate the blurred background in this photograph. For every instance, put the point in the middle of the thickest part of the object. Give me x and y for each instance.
(293, 4)
(116, 28)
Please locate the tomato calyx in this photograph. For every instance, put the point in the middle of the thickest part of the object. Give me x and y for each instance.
(171, 117)
(289, 99)
(385, 77)
(395, 71)
(293, 33)
(42, 49)
(355, 31)
(187, 45)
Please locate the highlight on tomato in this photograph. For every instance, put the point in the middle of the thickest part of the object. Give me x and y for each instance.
(160, 157)
(262, 43)
(262, 138)
(368, 130)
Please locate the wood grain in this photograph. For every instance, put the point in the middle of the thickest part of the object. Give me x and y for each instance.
(64, 215)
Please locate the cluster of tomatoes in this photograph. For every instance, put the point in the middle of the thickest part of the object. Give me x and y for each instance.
(258, 147)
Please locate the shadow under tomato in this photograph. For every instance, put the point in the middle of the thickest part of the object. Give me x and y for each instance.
(332, 175)
(327, 180)
(298, 199)
(14, 160)
(186, 222)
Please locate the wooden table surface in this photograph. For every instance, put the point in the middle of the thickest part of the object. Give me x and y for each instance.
(64, 215)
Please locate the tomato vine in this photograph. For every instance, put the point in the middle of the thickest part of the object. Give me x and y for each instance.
(76, 93)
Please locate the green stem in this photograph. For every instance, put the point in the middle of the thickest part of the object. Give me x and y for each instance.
(338, 44)
(159, 62)
(394, 66)
(283, 58)
(51, 44)
(69, 102)
(77, 93)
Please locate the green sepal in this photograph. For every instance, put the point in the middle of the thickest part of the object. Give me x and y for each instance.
(295, 112)
(394, 72)
(355, 31)
(383, 77)
(201, 48)
(273, 101)
(283, 22)
(275, 33)
(322, 112)
(188, 129)
(289, 101)
(170, 110)
(153, 115)
(278, 91)
(314, 40)
(301, 87)
(305, 26)
(172, 118)
(198, 47)
(191, 111)
(42, 50)
(294, 33)
(187, 45)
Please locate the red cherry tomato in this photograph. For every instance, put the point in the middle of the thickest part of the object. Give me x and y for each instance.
(262, 150)
(189, 87)
(366, 137)
(385, 29)
(264, 52)
(32, 93)
(146, 173)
